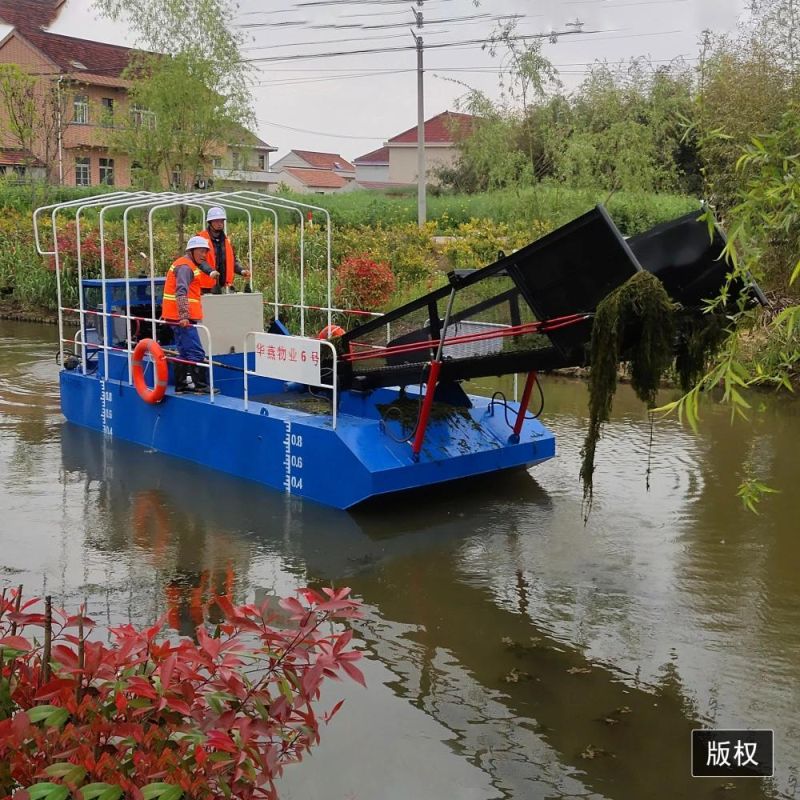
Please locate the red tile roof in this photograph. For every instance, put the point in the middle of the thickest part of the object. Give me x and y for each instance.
(68, 53)
(13, 156)
(443, 128)
(325, 160)
(29, 14)
(376, 158)
(317, 178)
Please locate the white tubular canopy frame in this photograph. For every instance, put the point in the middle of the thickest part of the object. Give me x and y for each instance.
(250, 203)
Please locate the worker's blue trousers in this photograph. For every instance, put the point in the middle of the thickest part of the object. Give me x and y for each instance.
(187, 340)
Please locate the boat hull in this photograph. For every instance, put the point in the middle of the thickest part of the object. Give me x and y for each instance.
(301, 453)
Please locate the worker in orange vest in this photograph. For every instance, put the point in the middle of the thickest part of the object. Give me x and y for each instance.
(221, 255)
(183, 305)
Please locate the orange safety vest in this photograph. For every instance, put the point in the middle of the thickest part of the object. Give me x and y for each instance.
(211, 258)
(169, 308)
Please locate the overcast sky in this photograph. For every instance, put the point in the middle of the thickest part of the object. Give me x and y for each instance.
(351, 104)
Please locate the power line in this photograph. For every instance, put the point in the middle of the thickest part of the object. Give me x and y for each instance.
(385, 71)
(465, 43)
(321, 133)
(436, 72)
(251, 48)
(368, 51)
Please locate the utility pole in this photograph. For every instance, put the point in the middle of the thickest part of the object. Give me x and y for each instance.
(422, 211)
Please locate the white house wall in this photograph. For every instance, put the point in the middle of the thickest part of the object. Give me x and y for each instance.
(372, 173)
(403, 162)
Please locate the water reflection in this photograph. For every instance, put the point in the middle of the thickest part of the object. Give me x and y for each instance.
(513, 651)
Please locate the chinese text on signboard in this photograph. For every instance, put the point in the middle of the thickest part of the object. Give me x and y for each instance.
(288, 358)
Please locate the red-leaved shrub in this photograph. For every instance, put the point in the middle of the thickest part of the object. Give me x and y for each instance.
(363, 284)
(148, 718)
(91, 253)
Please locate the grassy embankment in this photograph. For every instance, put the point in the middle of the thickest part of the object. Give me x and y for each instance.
(381, 227)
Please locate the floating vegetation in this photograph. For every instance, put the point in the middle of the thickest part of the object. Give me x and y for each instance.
(515, 676)
(635, 322)
(520, 649)
(579, 670)
(591, 752)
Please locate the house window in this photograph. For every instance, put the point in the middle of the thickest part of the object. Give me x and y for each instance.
(262, 162)
(107, 171)
(177, 177)
(80, 109)
(83, 175)
(142, 118)
(216, 162)
(107, 109)
(235, 159)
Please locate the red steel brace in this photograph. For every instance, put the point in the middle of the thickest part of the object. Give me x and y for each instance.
(523, 407)
(425, 413)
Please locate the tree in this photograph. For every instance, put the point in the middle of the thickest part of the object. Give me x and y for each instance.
(33, 110)
(625, 128)
(199, 28)
(527, 78)
(178, 120)
(189, 94)
(488, 156)
(743, 92)
(508, 142)
(748, 130)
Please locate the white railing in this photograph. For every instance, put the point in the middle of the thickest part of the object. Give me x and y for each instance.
(130, 203)
(300, 341)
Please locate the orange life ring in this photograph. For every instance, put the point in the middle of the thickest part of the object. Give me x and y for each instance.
(330, 332)
(159, 360)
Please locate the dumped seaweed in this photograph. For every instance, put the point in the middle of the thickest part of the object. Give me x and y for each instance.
(699, 339)
(636, 322)
(406, 411)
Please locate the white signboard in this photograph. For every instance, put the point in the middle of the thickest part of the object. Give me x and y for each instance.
(288, 358)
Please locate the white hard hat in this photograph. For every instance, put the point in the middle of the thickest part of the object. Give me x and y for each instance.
(215, 213)
(197, 241)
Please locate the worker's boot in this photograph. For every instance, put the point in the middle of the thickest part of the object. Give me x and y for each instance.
(200, 379)
(183, 379)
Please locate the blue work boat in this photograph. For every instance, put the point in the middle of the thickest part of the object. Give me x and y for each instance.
(381, 407)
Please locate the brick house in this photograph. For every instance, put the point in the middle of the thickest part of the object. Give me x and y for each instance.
(84, 80)
(81, 84)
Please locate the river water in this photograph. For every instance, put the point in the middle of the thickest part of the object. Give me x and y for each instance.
(510, 650)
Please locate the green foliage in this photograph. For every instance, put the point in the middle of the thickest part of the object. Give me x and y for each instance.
(625, 130)
(474, 228)
(635, 322)
(552, 204)
(187, 103)
(751, 492)
(31, 111)
(743, 93)
(200, 28)
(621, 130)
(187, 118)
